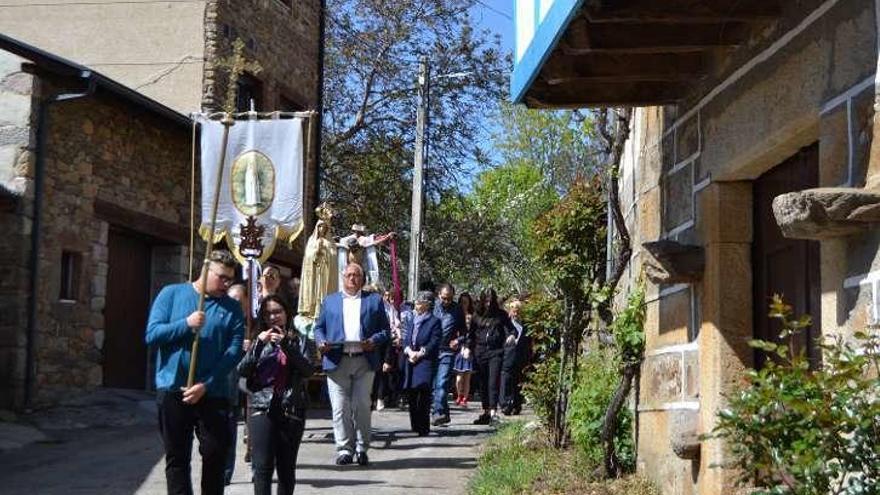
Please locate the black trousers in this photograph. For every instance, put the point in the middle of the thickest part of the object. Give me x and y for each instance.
(385, 387)
(511, 381)
(489, 369)
(419, 400)
(275, 440)
(208, 420)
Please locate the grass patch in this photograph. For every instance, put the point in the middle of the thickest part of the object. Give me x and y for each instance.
(517, 460)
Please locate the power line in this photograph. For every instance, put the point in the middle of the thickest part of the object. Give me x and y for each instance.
(497, 11)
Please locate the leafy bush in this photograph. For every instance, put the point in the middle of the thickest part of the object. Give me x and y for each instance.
(794, 431)
(589, 399)
(542, 314)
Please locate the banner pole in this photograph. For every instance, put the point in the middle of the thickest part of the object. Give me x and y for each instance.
(227, 122)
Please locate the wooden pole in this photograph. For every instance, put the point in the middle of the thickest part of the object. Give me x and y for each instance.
(227, 122)
(417, 195)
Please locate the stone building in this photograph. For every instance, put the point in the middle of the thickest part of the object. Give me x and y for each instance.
(95, 169)
(749, 171)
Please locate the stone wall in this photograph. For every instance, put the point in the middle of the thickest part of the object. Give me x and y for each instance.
(690, 169)
(284, 40)
(100, 149)
(16, 146)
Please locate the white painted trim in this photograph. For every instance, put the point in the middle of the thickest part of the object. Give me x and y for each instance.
(877, 24)
(684, 405)
(757, 59)
(849, 144)
(863, 279)
(675, 289)
(847, 95)
(681, 228)
(684, 163)
(670, 349)
(703, 184)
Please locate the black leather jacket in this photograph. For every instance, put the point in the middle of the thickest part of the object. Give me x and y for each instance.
(298, 367)
(489, 331)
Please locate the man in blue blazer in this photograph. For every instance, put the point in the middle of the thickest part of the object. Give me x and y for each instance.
(350, 328)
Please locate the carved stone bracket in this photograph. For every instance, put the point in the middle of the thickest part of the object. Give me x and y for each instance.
(826, 212)
(670, 262)
(683, 433)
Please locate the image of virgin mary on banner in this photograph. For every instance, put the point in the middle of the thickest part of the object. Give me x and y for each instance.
(262, 181)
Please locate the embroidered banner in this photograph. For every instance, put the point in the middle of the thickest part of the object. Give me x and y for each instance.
(262, 178)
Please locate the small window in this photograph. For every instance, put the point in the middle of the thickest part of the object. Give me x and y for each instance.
(70, 268)
(249, 88)
(286, 3)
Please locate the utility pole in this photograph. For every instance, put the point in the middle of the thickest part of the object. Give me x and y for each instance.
(417, 196)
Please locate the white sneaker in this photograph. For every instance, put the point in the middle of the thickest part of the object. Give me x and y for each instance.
(380, 404)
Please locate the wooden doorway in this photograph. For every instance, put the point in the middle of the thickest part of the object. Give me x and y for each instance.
(789, 267)
(125, 312)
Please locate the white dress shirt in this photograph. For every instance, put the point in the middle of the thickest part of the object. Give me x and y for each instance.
(351, 321)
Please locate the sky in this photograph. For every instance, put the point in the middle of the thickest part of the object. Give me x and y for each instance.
(497, 16)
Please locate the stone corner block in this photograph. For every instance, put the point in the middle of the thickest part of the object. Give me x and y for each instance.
(826, 212)
(670, 262)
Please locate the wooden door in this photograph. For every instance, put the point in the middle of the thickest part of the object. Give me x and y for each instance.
(788, 267)
(125, 313)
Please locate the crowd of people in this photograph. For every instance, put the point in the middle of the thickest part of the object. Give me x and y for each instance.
(373, 356)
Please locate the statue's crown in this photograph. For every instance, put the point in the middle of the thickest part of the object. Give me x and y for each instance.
(324, 212)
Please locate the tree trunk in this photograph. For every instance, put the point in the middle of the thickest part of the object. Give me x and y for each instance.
(612, 414)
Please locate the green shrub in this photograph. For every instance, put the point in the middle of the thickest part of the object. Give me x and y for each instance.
(542, 314)
(586, 411)
(795, 431)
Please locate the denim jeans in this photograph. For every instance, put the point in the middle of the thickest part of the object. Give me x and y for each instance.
(441, 384)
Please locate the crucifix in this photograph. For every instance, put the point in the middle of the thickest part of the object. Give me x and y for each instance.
(236, 64)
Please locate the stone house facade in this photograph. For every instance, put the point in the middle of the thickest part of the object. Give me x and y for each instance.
(751, 169)
(169, 51)
(95, 194)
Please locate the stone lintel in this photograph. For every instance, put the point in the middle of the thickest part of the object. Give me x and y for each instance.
(826, 212)
(670, 262)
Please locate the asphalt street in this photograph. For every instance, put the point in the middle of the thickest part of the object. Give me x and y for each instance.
(92, 455)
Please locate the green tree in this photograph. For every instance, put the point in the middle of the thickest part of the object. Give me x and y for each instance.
(370, 98)
(560, 144)
(570, 248)
(540, 155)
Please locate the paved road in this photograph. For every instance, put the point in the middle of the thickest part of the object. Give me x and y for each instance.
(128, 459)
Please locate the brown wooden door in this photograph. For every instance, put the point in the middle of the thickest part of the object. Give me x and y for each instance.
(788, 267)
(125, 313)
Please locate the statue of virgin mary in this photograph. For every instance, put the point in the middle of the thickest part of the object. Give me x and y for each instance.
(319, 276)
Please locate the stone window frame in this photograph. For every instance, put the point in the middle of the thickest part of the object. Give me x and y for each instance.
(248, 79)
(70, 275)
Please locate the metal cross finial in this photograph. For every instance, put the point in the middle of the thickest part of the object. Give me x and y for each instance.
(237, 65)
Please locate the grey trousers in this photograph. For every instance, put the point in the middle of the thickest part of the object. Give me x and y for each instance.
(349, 387)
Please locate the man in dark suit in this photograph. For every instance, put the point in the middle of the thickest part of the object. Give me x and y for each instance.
(517, 350)
(350, 329)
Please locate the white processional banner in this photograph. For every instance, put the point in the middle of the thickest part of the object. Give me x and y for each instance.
(262, 178)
